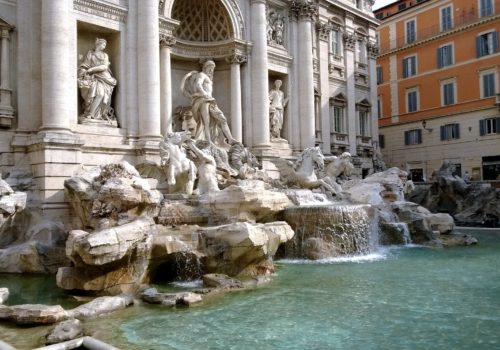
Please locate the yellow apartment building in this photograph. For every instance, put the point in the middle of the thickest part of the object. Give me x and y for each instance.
(438, 96)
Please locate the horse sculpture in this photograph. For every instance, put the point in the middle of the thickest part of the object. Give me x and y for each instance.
(339, 166)
(175, 162)
(302, 172)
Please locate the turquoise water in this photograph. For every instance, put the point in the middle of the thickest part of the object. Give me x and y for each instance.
(401, 298)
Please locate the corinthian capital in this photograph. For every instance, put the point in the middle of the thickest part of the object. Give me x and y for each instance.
(323, 29)
(236, 58)
(349, 40)
(373, 49)
(167, 40)
(304, 10)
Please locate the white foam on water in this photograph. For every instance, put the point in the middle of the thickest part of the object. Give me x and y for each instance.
(339, 259)
(188, 284)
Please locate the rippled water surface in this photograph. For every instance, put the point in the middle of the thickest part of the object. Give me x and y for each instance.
(400, 298)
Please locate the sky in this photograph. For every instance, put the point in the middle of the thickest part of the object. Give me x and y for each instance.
(382, 3)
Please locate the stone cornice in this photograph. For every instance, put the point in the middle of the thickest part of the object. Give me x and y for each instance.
(188, 49)
(168, 26)
(441, 35)
(102, 9)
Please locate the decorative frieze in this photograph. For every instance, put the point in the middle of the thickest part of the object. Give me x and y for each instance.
(323, 29)
(101, 9)
(217, 50)
(304, 10)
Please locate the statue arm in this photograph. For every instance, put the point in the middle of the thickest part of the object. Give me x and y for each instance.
(100, 68)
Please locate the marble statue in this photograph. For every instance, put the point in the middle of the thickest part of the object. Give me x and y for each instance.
(277, 103)
(242, 160)
(211, 122)
(207, 170)
(302, 173)
(275, 28)
(339, 166)
(174, 160)
(96, 84)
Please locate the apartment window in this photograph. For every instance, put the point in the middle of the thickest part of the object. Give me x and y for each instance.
(448, 92)
(379, 107)
(381, 141)
(409, 66)
(338, 119)
(364, 125)
(413, 137)
(450, 131)
(411, 31)
(485, 7)
(411, 100)
(489, 126)
(445, 55)
(486, 44)
(335, 37)
(380, 77)
(446, 18)
(402, 6)
(488, 84)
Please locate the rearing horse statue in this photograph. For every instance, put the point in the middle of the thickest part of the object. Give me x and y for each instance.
(175, 162)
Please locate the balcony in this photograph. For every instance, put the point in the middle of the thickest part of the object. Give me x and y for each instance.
(462, 18)
(364, 145)
(339, 142)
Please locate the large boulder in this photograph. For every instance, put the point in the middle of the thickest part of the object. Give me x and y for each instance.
(111, 195)
(101, 305)
(243, 249)
(31, 314)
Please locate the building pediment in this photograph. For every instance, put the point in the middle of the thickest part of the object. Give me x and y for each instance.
(5, 24)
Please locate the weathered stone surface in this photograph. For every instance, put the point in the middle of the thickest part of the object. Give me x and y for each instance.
(11, 203)
(64, 331)
(101, 305)
(243, 248)
(4, 295)
(248, 201)
(108, 245)
(28, 314)
(112, 195)
(152, 296)
(217, 280)
(5, 189)
(458, 240)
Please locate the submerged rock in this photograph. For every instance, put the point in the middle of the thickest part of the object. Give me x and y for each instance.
(64, 331)
(217, 280)
(101, 305)
(152, 296)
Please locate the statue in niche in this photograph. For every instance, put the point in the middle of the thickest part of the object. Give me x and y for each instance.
(96, 84)
(277, 103)
(211, 123)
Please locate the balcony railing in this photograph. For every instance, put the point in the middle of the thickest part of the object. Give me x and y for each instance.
(462, 18)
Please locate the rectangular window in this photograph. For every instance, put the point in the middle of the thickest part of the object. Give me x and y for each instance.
(446, 18)
(488, 86)
(445, 55)
(411, 33)
(486, 7)
(379, 107)
(381, 141)
(335, 43)
(448, 93)
(413, 137)
(409, 66)
(402, 6)
(487, 44)
(380, 78)
(411, 100)
(450, 132)
(489, 126)
(338, 119)
(364, 127)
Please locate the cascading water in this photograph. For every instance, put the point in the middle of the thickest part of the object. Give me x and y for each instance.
(323, 231)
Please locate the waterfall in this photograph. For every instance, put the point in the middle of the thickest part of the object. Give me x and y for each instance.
(323, 231)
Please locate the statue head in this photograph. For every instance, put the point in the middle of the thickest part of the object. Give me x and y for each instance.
(99, 42)
(278, 83)
(209, 67)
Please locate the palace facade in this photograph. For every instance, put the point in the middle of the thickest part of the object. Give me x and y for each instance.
(69, 101)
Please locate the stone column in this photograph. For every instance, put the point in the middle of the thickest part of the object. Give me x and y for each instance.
(349, 46)
(236, 112)
(306, 12)
(148, 61)
(260, 81)
(324, 29)
(372, 73)
(166, 42)
(58, 68)
(6, 110)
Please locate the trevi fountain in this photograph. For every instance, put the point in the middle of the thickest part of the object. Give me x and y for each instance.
(211, 237)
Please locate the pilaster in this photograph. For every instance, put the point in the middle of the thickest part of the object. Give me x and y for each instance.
(349, 47)
(236, 113)
(166, 43)
(323, 30)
